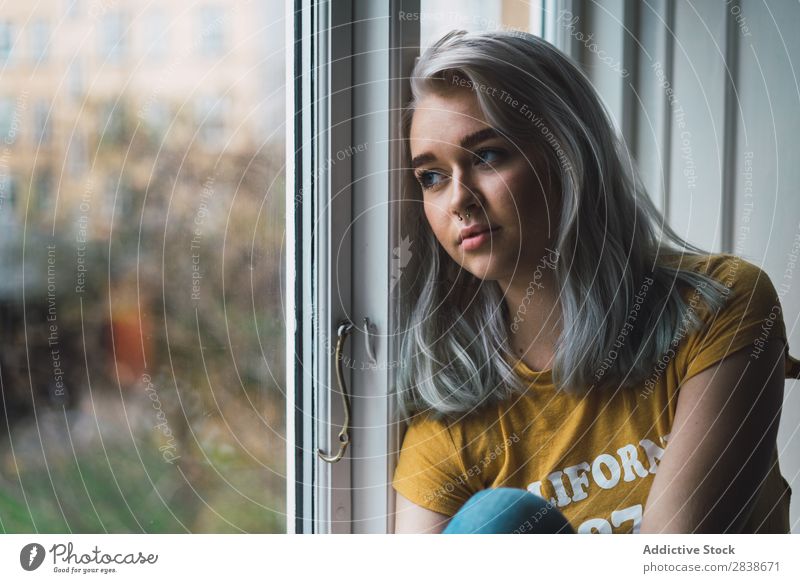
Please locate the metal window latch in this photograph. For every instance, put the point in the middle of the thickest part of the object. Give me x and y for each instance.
(368, 341)
(345, 326)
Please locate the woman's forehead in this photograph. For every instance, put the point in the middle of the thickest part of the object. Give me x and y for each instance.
(457, 104)
(445, 120)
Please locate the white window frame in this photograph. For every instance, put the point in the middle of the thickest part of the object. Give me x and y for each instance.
(339, 220)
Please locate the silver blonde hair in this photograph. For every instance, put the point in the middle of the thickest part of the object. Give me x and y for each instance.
(611, 240)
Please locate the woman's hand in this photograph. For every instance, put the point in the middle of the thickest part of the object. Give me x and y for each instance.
(412, 518)
(720, 447)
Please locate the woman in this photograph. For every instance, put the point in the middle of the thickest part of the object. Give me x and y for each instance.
(561, 334)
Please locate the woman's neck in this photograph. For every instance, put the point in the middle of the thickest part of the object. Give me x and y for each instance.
(535, 316)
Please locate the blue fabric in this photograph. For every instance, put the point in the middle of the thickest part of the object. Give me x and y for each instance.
(507, 511)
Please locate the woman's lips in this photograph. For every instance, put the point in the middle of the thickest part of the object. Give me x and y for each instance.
(476, 241)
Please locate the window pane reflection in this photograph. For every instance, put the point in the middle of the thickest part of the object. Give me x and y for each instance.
(141, 227)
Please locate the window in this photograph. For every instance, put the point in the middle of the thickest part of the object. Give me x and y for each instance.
(41, 122)
(77, 157)
(7, 121)
(8, 199)
(40, 40)
(210, 115)
(42, 191)
(156, 37)
(73, 8)
(143, 354)
(348, 144)
(113, 121)
(157, 117)
(211, 33)
(6, 41)
(114, 40)
(75, 80)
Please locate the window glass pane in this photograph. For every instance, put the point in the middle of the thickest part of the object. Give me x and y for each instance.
(113, 36)
(156, 34)
(40, 41)
(211, 30)
(6, 42)
(142, 352)
(41, 122)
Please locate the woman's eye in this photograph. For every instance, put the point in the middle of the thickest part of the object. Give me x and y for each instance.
(488, 156)
(428, 179)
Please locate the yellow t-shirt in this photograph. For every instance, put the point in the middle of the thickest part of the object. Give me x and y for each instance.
(594, 456)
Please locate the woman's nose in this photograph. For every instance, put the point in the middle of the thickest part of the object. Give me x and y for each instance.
(463, 192)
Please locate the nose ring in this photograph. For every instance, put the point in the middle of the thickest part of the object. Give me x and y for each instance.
(459, 216)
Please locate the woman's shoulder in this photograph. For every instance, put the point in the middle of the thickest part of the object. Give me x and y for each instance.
(718, 265)
(740, 277)
(436, 467)
(469, 423)
(750, 315)
(467, 434)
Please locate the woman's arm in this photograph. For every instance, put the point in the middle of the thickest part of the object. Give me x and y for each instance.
(720, 446)
(411, 518)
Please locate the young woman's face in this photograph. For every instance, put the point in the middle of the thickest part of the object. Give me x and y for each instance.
(463, 166)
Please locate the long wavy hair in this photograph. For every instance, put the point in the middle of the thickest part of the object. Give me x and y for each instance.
(611, 243)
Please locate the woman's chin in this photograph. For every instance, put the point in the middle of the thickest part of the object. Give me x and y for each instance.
(484, 269)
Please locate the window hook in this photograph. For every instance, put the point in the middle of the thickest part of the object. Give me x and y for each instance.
(344, 435)
(368, 342)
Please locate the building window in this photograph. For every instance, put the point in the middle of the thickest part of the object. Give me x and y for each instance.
(43, 190)
(73, 8)
(212, 31)
(112, 123)
(41, 122)
(40, 41)
(6, 41)
(113, 198)
(75, 81)
(77, 158)
(8, 197)
(158, 354)
(156, 35)
(210, 118)
(113, 39)
(6, 120)
(157, 117)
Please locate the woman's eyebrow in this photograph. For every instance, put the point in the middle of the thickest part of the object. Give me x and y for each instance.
(465, 143)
